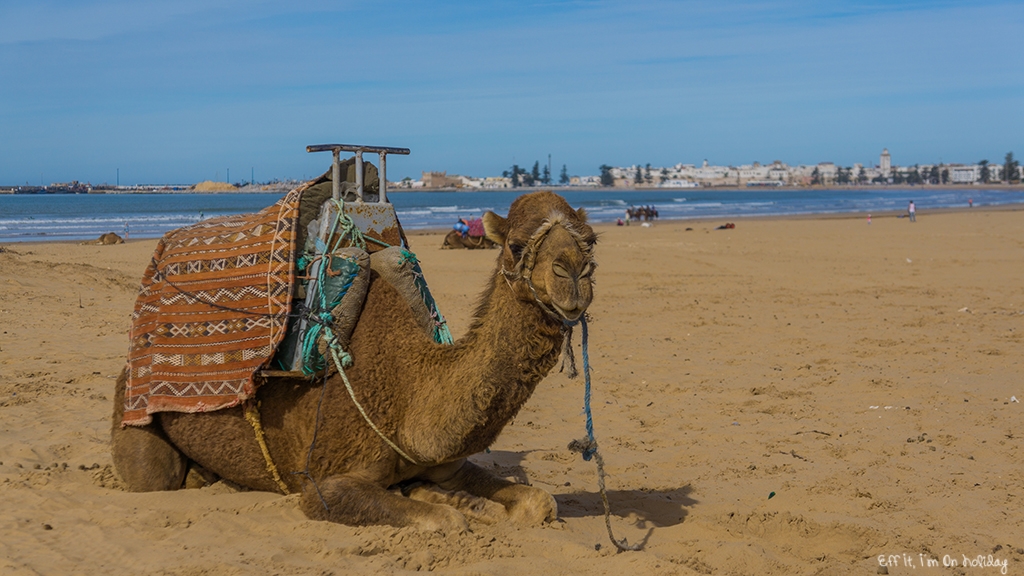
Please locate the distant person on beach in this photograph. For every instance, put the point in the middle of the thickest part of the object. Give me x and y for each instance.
(970, 202)
(912, 212)
(462, 227)
(125, 229)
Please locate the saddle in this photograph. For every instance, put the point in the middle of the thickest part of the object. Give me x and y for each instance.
(228, 302)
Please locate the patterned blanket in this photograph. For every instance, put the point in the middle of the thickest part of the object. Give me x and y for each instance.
(212, 309)
(476, 227)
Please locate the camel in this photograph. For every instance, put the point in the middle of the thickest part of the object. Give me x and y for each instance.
(455, 240)
(439, 404)
(104, 240)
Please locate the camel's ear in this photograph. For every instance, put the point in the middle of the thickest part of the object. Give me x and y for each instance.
(495, 228)
(582, 213)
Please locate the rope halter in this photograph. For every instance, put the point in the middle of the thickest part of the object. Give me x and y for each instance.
(523, 268)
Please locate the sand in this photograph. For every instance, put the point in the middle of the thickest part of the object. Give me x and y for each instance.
(211, 186)
(860, 373)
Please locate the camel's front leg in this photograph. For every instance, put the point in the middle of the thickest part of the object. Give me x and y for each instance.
(355, 502)
(475, 508)
(143, 456)
(526, 505)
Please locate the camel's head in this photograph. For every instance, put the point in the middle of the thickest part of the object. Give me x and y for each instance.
(547, 252)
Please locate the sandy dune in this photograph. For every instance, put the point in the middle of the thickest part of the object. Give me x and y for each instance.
(862, 373)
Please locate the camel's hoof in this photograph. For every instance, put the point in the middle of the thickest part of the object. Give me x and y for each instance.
(535, 508)
(446, 520)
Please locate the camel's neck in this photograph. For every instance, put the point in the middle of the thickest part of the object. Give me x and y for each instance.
(489, 374)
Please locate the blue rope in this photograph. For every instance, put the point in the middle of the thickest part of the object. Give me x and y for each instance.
(588, 447)
(589, 453)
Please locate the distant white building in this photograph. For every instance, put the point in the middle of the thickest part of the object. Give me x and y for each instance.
(778, 171)
(495, 182)
(828, 172)
(469, 182)
(885, 162)
(679, 184)
(960, 174)
(753, 171)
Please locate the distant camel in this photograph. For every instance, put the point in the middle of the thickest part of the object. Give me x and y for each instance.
(455, 240)
(105, 239)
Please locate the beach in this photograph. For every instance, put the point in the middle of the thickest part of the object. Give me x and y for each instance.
(791, 396)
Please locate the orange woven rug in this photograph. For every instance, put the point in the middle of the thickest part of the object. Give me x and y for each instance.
(212, 309)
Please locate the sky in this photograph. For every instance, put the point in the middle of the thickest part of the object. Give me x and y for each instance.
(190, 90)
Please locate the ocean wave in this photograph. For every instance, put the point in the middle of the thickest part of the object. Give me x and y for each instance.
(96, 220)
(603, 202)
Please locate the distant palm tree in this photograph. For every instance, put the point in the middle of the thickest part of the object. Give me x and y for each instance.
(1011, 169)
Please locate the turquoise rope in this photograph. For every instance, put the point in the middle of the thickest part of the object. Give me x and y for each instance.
(312, 360)
(442, 335)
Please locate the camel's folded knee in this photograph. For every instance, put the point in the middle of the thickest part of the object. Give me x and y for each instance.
(146, 461)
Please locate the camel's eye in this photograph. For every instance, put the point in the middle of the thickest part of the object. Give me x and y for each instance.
(516, 249)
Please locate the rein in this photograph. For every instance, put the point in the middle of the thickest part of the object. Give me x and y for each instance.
(587, 447)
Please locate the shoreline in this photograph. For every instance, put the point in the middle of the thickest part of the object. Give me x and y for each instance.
(921, 212)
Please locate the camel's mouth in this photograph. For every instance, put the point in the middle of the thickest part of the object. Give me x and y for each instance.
(570, 315)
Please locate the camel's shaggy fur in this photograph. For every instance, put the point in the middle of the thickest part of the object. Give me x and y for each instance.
(439, 403)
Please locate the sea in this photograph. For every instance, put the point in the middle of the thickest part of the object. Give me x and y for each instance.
(67, 217)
